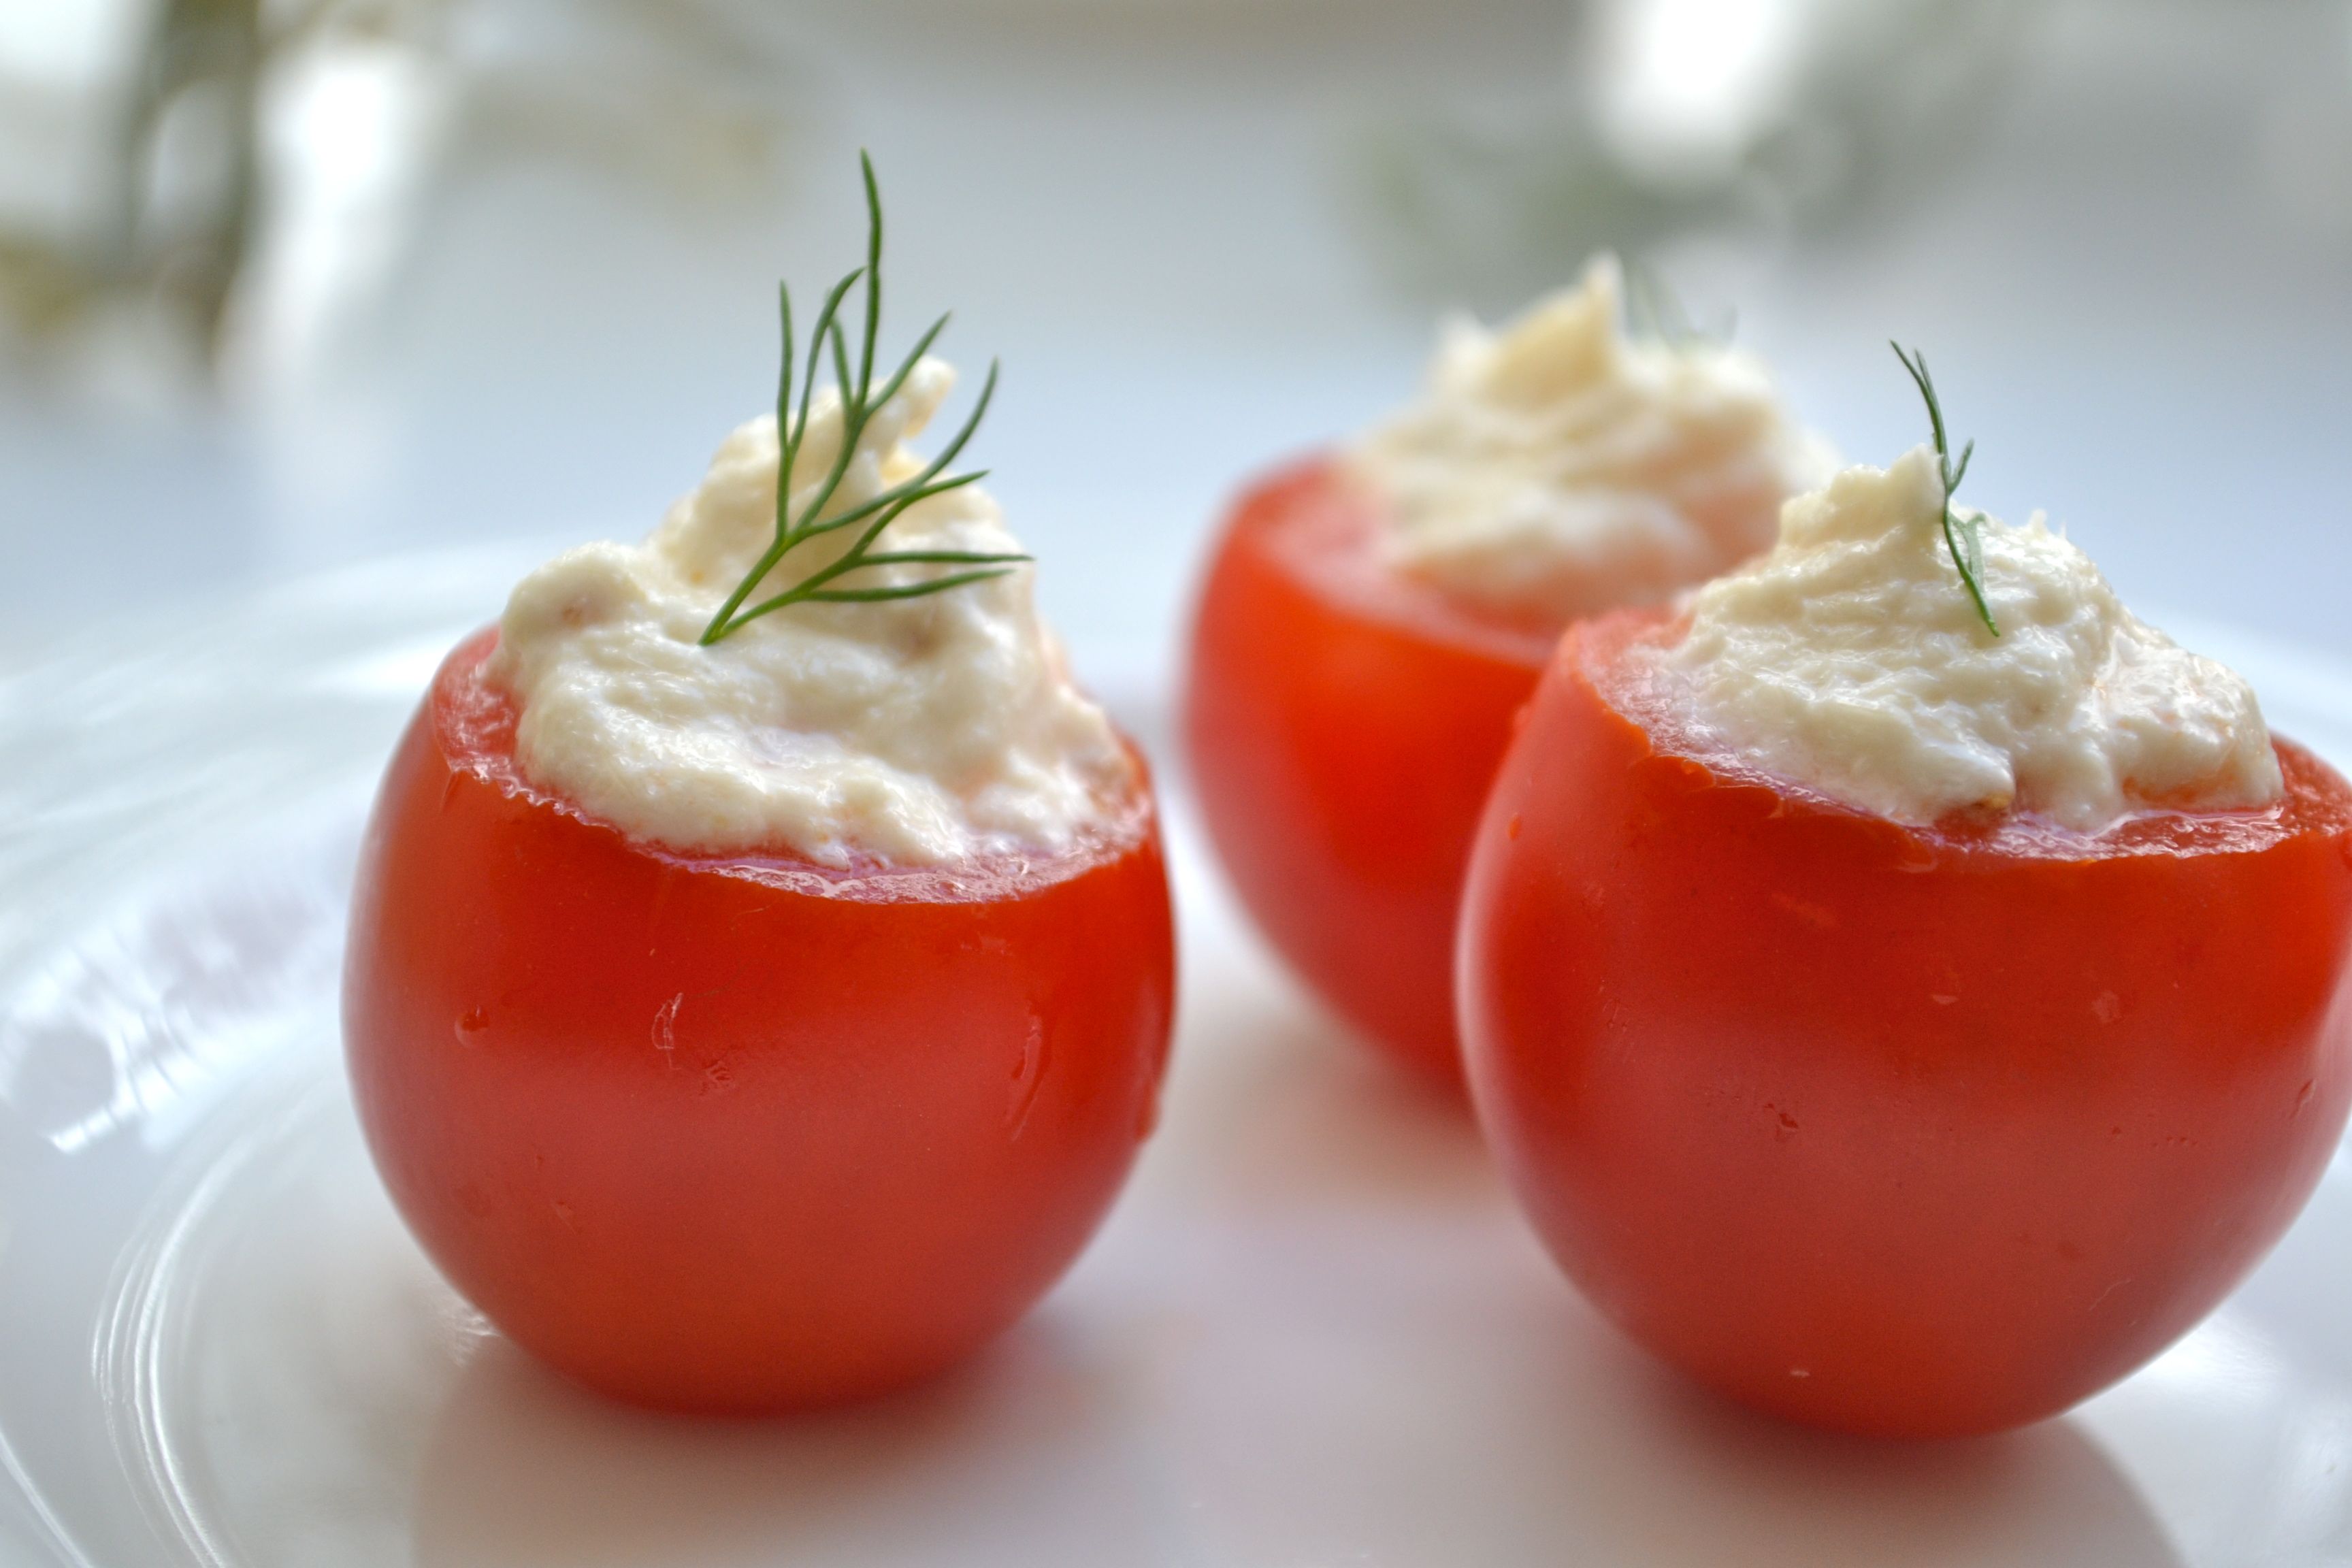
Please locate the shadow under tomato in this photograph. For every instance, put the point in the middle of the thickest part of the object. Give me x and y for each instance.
(1304, 1117)
(2046, 1494)
(1355, 1350)
(1511, 1436)
(1314, 1331)
(1014, 1459)
(1270, 1102)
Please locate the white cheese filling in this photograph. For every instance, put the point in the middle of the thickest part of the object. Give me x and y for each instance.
(1851, 660)
(1559, 467)
(923, 732)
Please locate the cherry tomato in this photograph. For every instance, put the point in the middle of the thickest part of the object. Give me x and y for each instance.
(1343, 723)
(737, 1133)
(1898, 1131)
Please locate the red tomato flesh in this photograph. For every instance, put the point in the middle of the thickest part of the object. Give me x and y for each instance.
(1898, 1131)
(1343, 724)
(737, 1133)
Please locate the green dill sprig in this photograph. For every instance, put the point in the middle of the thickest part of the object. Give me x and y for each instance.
(1962, 535)
(860, 400)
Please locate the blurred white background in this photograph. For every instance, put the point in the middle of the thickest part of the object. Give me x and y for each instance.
(290, 285)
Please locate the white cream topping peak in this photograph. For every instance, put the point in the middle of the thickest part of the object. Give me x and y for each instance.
(1850, 659)
(1558, 467)
(923, 732)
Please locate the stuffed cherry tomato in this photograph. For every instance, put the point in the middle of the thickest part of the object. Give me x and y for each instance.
(1371, 623)
(1898, 1027)
(1344, 725)
(762, 963)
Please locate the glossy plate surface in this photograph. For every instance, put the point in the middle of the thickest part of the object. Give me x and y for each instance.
(1314, 1331)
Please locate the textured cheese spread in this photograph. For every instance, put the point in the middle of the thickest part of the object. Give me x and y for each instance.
(1559, 467)
(921, 731)
(1851, 660)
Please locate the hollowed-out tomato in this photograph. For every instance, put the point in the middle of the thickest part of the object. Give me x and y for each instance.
(1896, 1129)
(1343, 723)
(738, 1132)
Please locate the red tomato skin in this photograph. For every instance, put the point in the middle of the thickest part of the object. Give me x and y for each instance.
(730, 1134)
(1342, 728)
(1903, 1132)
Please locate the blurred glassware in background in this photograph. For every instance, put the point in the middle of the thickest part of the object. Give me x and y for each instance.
(209, 186)
(1745, 116)
(285, 283)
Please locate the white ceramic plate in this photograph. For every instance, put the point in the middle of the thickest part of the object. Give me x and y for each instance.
(1314, 1331)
